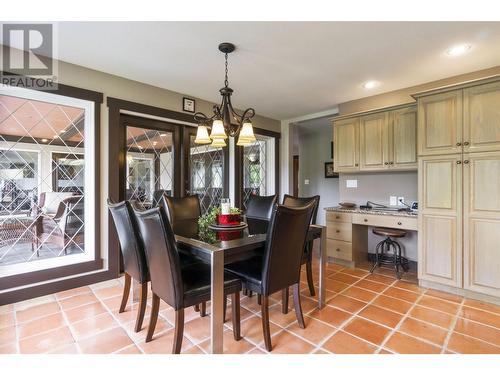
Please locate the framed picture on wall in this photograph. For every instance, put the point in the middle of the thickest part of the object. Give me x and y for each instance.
(188, 105)
(329, 173)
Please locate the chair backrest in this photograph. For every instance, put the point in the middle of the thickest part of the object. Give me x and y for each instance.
(258, 213)
(183, 214)
(291, 201)
(72, 219)
(162, 255)
(134, 257)
(286, 238)
(50, 201)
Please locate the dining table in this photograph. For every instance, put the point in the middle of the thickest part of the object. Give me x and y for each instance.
(223, 247)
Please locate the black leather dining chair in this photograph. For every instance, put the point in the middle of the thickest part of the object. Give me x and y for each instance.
(178, 283)
(279, 267)
(291, 201)
(134, 257)
(258, 212)
(183, 214)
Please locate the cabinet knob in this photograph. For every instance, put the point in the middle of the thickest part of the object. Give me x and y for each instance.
(400, 223)
(356, 164)
(365, 220)
(459, 144)
(386, 163)
(337, 217)
(466, 143)
(337, 231)
(337, 249)
(459, 162)
(466, 162)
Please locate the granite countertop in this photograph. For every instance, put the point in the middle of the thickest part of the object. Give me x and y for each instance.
(372, 212)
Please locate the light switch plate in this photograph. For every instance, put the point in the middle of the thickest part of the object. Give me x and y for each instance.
(401, 199)
(393, 200)
(351, 183)
(306, 182)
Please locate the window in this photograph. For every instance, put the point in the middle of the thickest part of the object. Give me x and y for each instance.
(47, 181)
(259, 167)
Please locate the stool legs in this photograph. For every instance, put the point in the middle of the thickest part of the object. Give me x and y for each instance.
(397, 261)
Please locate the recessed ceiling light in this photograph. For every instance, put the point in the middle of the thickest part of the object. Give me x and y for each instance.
(163, 135)
(458, 50)
(44, 140)
(55, 136)
(370, 84)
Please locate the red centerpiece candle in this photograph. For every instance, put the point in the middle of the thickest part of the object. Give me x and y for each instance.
(229, 219)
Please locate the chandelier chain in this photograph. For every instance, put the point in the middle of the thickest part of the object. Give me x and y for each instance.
(226, 80)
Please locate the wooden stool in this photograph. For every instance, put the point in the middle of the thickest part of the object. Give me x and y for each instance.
(383, 248)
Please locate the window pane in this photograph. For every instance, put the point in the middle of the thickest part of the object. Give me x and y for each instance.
(206, 165)
(42, 180)
(258, 168)
(149, 164)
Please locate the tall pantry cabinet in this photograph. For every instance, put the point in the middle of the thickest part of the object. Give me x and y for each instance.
(459, 187)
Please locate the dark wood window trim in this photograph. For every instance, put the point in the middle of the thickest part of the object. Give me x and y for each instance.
(55, 171)
(238, 161)
(44, 276)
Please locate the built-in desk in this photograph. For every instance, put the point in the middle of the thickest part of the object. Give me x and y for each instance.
(347, 231)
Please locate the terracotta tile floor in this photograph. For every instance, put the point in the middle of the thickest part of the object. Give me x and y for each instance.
(364, 314)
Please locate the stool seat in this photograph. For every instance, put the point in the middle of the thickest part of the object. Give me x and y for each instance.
(389, 232)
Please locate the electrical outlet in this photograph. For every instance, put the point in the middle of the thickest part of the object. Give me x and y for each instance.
(393, 200)
(306, 182)
(401, 200)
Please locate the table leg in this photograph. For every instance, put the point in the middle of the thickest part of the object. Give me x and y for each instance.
(322, 268)
(217, 298)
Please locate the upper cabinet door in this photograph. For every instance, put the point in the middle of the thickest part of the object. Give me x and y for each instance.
(482, 118)
(374, 142)
(440, 123)
(346, 145)
(482, 222)
(403, 139)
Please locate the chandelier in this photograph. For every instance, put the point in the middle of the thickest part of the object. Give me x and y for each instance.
(225, 121)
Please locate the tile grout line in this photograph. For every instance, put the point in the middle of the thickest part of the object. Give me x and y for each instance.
(70, 328)
(452, 327)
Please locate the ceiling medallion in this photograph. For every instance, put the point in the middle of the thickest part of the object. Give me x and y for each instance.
(225, 121)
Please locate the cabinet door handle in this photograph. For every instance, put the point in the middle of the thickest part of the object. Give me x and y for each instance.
(459, 144)
(466, 162)
(365, 220)
(386, 163)
(337, 231)
(466, 143)
(356, 164)
(337, 249)
(391, 162)
(337, 217)
(459, 162)
(400, 223)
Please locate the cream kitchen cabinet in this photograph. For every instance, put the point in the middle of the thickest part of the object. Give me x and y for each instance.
(481, 121)
(346, 145)
(403, 138)
(481, 185)
(376, 141)
(440, 123)
(440, 219)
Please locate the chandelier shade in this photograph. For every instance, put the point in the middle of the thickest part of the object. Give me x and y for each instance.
(225, 121)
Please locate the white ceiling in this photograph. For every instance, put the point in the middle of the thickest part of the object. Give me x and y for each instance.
(282, 69)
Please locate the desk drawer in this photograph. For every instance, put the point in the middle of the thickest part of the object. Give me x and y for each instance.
(399, 222)
(339, 231)
(343, 217)
(339, 249)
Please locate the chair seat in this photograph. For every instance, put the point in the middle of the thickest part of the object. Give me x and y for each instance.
(196, 278)
(250, 271)
(389, 232)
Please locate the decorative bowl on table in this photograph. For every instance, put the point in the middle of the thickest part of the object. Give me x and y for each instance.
(229, 219)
